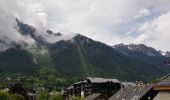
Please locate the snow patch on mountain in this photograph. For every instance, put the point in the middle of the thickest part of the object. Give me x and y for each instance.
(138, 48)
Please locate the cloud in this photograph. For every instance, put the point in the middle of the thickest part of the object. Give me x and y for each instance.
(96, 19)
(111, 21)
(156, 32)
(10, 10)
(143, 13)
(160, 6)
(92, 16)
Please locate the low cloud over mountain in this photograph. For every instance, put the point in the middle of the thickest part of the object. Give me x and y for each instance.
(110, 21)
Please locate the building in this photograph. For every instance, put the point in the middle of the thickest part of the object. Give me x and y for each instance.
(101, 85)
(79, 88)
(96, 96)
(93, 85)
(127, 84)
(135, 93)
(163, 87)
(76, 89)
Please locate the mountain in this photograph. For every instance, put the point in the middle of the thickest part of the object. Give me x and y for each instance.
(143, 53)
(80, 57)
(54, 34)
(141, 48)
(166, 54)
(17, 61)
(28, 30)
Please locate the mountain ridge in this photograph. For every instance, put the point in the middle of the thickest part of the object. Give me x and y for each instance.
(81, 56)
(139, 48)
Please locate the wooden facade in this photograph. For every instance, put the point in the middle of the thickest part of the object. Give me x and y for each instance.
(90, 86)
(162, 88)
(107, 88)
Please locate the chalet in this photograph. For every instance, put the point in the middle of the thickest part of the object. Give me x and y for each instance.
(67, 92)
(96, 96)
(135, 93)
(91, 86)
(76, 89)
(163, 87)
(101, 85)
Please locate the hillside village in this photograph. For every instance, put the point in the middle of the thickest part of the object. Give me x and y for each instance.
(113, 89)
(50, 68)
(95, 88)
(84, 50)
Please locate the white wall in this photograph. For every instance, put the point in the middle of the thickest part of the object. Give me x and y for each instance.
(163, 95)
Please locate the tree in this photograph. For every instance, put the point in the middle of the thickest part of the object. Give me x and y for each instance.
(75, 98)
(17, 97)
(41, 94)
(5, 96)
(55, 96)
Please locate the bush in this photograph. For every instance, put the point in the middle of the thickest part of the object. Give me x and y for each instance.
(17, 97)
(75, 98)
(55, 97)
(5, 96)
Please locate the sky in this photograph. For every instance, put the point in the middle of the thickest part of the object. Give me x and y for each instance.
(108, 21)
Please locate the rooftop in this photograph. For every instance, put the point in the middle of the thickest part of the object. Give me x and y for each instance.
(102, 80)
(93, 96)
(131, 93)
(126, 84)
(81, 82)
(164, 82)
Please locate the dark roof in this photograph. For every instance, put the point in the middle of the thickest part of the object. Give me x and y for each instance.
(131, 93)
(70, 87)
(122, 93)
(93, 96)
(102, 80)
(126, 84)
(81, 82)
(164, 82)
